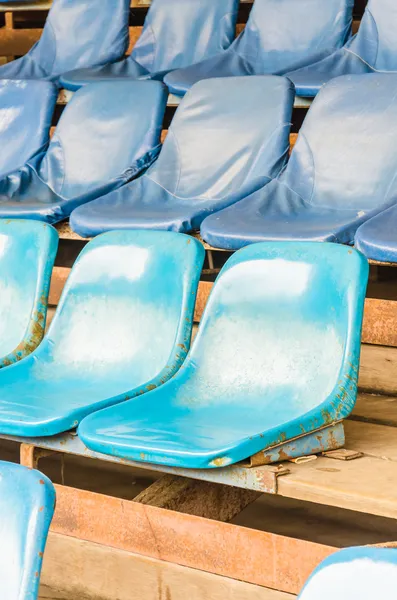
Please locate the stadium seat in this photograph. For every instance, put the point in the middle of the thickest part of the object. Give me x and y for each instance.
(27, 255)
(78, 33)
(107, 135)
(228, 138)
(354, 574)
(281, 35)
(27, 502)
(373, 49)
(276, 355)
(377, 238)
(341, 171)
(122, 327)
(26, 109)
(176, 34)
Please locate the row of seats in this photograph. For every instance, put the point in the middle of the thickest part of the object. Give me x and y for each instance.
(276, 355)
(280, 36)
(223, 168)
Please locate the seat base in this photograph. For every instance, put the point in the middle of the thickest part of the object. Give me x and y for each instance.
(321, 440)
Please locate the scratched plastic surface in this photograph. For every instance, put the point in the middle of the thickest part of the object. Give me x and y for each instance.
(27, 500)
(277, 355)
(122, 327)
(27, 254)
(355, 574)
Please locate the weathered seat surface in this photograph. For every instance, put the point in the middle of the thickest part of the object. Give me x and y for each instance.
(281, 35)
(108, 133)
(354, 574)
(277, 354)
(27, 502)
(122, 327)
(377, 238)
(176, 34)
(26, 109)
(227, 139)
(373, 49)
(27, 255)
(77, 33)
(342, 171)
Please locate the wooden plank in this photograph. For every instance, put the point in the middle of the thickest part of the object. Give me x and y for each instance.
(77, 570)
(378, 369)
(379, 441)
(273, 561)
(380, 322)
(380, 410)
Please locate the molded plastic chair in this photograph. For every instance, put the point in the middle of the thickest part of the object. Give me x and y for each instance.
(77, 33)
(354, 574)
(27, 502)
(108, 133)
(280, 35)
(276, 355)
(26, 109)
(342, 171)
(377, 238)
(373, 49)
(122, 327)
(176, 34)
(227, 139)
(27, 255)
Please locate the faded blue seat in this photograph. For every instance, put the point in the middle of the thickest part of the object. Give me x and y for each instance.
(122, 327)
(27, 255)
(276, 355)
(228, 138)
(354, 574)
(77, 33)
(373, 49)
(26, 109)
(176, 34)
(341, 171)
(377, 238)
(108, 133)
(27, 502)
(281, 35)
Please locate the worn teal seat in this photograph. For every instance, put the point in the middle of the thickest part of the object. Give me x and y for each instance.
(354, 574)
(275, 359)
(122, 327)
(27, 502)
(27, 255)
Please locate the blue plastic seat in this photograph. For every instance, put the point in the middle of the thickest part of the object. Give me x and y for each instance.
(377, 238)
(176, 34)
(122, 327)
(27, 255)
(281, 35)
(228, 138)
(107, 135)
(354, 574)
(27, 502)
(77, 33)
(373, 49)
(276, 355)
(26, 109)
(341, 171)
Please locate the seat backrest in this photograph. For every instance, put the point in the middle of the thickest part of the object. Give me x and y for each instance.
(104, 130)
(27, 255)
(26, 109)
(225, 133)
(355, 573)
(82, 33)
(27, 502)
(179, 33)
(356, 167)
(282, 35)
(126, 312)
(376, 41)
(283, 323)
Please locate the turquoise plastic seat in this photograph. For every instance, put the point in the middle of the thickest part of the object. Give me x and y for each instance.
(27, 255)
(122, 327)
(27, 502)
(354, 574)
(275, 359)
